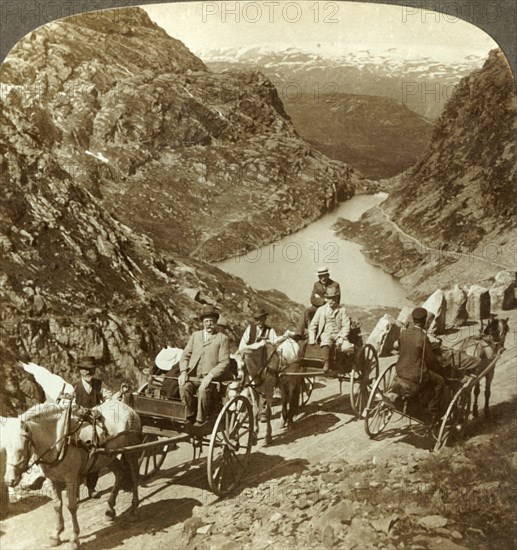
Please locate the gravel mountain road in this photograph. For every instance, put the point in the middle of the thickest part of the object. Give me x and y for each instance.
(324, 431)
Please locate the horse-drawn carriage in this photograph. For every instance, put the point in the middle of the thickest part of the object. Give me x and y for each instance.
(357, 368)
(464, 367)
(228, 433)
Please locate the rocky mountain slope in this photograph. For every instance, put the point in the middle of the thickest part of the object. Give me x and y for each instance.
(464, 188)
(377, 135)
(76, 281)
(460, 197)
(121, 158)
(169, 147)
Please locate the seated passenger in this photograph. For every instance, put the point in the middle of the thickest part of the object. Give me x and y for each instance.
(317, 299)
(206, 358)
(417, 363)
(330, 327)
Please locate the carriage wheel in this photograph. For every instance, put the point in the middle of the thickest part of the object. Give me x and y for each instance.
(455, 419)
(377, 413)
(230, 446)
(151, 460)
(306, 387)
(362, 376)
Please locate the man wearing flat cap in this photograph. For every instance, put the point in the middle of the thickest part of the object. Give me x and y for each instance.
(330, 327)
(206, 358)
(317, 299)
(417, 363)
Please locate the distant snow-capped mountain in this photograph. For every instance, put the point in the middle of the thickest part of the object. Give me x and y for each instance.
(422, 82)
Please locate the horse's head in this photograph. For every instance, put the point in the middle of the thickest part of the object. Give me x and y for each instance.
(496, 330)
(16, 442)
(256, 359)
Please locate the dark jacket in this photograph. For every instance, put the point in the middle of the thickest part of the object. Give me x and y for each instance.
(88, 400)
(415, 356)
(255, 336)
(318, 292)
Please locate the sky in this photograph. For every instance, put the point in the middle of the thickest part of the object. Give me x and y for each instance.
(327, 28)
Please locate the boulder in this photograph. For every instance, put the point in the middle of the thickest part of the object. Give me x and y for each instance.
(478, 303)
(38, 305)
(405, 315)
(437, 305)
(192, 293)
(384, 335)
(456, 311)
(433, 522)
(502, 293)
(360, 535)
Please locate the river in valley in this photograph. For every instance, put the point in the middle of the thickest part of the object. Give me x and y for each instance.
(290, 264)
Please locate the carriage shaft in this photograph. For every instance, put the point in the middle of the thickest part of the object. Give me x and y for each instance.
(144, 446)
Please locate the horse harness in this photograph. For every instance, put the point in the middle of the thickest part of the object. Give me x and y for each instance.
(67, 439)
(265, 367)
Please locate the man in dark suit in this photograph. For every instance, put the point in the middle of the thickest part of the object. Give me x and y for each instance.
(206, 358)
(319, 289)
(89, 392)
(417, 364)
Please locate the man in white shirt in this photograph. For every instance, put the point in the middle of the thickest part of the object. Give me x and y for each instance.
(258, 330)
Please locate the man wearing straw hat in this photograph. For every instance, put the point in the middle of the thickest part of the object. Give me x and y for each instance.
(206, 358)
(317, 299)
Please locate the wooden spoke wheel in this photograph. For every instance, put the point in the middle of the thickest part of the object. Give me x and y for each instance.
(306, 387)
(230, 446)
(377, 413)
(365, 371)
(453, 423)
(151, 460)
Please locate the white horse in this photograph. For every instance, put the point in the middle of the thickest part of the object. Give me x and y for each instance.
(53, 385)
(43, 432)
(261, 368)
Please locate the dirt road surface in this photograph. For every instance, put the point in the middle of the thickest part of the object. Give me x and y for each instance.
(326, 429)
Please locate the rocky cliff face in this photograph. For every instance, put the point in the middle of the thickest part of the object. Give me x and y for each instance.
(169, 147)
(379, 136)
(463, 191)
(122, 158)
(75, 281)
